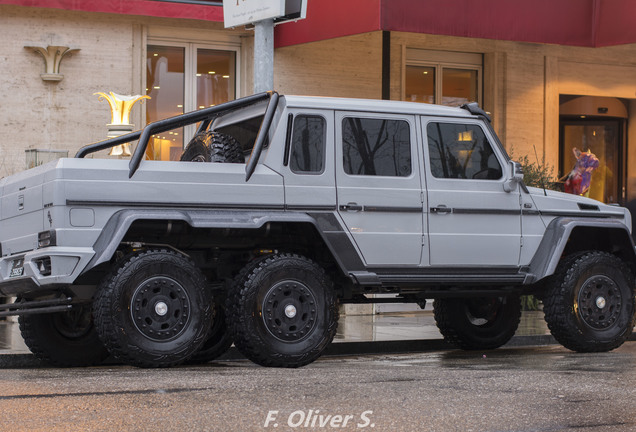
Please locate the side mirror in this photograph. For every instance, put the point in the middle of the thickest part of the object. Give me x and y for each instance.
(514, 176)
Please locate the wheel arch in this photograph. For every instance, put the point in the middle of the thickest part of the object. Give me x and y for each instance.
(324, 226)
(565, 236)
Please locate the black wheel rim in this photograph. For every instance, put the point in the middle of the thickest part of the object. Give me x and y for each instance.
(160, 308)
(599, 302)
(75, 323)
(483, 312)
(289, 311)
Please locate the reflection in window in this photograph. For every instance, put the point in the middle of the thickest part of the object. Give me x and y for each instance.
(442, 85)
(378, 147)
(215, 77)
(165, 86)
(308, 144)
(167, 67)
(420, 84)
(461, 151)
(459, 86)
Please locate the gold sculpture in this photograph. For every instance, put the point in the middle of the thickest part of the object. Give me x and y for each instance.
(120, 106)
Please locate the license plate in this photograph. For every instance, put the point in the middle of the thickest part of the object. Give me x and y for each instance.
(17, 269)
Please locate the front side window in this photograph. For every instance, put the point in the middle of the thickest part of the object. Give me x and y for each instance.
(308, 144)
(376, 147)
(461, 151)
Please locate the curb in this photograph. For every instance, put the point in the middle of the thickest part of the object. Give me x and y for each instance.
(24, 361)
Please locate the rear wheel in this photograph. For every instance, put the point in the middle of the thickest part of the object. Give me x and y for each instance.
(154, 309)
(64, 339)
(478, 323)
(282, 311)
(589, 304)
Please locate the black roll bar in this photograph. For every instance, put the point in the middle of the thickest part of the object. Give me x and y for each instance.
(205, 116)
(261, 136)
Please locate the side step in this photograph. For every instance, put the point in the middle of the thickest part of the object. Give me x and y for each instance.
(30, 307)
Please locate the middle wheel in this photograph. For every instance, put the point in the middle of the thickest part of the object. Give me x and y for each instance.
(478, 323)
(282, 311)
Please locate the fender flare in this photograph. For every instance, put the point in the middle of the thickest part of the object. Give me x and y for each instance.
(548, 254)
(342, 248)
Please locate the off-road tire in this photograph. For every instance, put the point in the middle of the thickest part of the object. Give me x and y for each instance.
(581, 284)
(258, 317)
(153, 309)
(64, 339)
(218, 342)
(478, 323)
(210, 146)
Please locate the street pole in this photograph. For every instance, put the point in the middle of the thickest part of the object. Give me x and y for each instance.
(264, 56)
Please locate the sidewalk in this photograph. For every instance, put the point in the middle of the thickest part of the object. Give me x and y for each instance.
(357, 334)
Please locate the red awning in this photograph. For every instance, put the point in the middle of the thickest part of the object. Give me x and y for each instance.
(589, 23)
(130, 7)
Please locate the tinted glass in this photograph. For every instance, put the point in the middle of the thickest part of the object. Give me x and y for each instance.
(378, 147)
(461, 151)
(308, 144)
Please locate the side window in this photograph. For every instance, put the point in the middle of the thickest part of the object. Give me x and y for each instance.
(377, 147)
(461, 151)
(308, 144)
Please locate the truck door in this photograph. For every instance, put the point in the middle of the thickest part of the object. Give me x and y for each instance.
(379, 196)
(472, 221)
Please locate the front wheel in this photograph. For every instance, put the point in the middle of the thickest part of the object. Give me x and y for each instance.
(589, 304)
(282, 311)
(478, 323)
(154, 309)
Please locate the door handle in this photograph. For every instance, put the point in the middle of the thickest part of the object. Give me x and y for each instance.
(442, 209)
(351, 207)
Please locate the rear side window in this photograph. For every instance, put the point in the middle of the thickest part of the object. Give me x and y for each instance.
(461, 151)
(376, 147)
(308, 145)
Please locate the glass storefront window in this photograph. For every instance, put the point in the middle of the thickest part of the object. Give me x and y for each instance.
(459, 86)
(165, 78)
(442, 77)
(215, 77)
(420, 84)
(182, 79)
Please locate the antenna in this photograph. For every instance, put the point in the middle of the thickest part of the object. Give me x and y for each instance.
(541, 179)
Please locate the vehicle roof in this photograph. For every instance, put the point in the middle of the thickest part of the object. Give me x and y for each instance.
(373, 105)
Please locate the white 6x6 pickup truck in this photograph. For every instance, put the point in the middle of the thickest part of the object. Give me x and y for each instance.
(283, 207)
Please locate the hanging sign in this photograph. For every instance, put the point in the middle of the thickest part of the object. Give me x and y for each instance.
(243, 12)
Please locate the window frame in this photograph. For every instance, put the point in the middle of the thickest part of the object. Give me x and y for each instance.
(440, 60)
(494, 145)
(384, 116)
(190, 64)
(288, 160)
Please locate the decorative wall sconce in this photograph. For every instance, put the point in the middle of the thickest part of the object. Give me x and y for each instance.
(52, 55)
(120, 106)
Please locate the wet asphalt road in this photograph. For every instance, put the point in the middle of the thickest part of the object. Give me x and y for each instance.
(516, 389)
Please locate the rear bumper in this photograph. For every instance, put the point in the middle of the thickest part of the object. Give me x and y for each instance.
(42, 269)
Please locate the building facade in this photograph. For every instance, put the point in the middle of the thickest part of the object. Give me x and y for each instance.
(555, 74)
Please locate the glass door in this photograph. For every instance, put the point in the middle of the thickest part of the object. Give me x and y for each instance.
(603, 138)
(181, 78)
